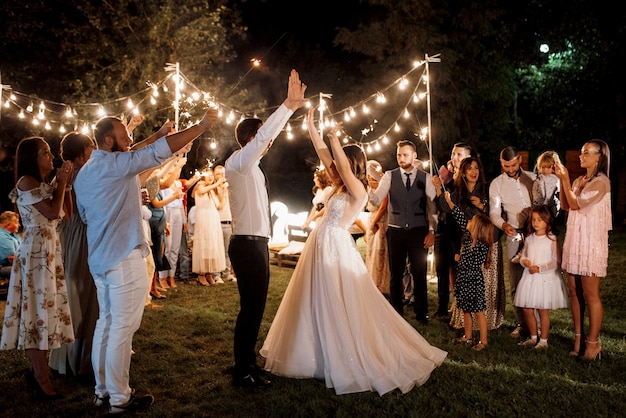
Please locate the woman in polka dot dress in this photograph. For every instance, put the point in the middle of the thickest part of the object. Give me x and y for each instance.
(470, 284)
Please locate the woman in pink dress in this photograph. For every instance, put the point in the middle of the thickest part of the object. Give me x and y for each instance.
(586, 246)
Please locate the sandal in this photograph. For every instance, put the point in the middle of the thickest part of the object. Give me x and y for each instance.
(576, 352)
(462, 340)
(480, 346)
(597, 355)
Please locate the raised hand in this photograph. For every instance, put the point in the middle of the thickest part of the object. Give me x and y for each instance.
(295, 92)
(209, 119)
(166, 129)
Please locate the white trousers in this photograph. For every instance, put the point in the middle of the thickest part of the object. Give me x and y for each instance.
(121, 295)
(176, 218)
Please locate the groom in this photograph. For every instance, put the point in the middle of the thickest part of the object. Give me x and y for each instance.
(248, 251)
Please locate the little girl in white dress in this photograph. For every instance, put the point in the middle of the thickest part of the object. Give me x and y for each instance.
(541, 286)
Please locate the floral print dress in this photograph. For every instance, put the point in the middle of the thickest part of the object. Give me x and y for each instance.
(37, 314)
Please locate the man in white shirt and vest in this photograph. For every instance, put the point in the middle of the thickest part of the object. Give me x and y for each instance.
(412, 216)
(509, 207)
(248, 250)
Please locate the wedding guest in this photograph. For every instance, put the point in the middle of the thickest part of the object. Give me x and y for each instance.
(541, 287)
(9, 241)
(333, 323)
(248, 248)
(109, 202)
(586, 246)
(175, 220)
(447, 238)
(37, 316)
(470, 195)
(546, 186)
(321, 189)
(75, 358)
(509, 206)
(160, 228)
(412, 217)
(469, 290)
(226, 218)
(545, 189)
(376, 254)
(209, 256)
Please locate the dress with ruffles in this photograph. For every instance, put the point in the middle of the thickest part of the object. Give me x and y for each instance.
(37, 314)
(545, 289)
(586, 246)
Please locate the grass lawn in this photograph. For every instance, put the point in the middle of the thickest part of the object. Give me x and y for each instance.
(184, 358)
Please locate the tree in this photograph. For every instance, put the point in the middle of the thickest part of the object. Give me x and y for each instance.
(88, 52)
(492, 88)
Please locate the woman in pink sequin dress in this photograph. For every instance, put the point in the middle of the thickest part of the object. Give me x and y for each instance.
(586, 246)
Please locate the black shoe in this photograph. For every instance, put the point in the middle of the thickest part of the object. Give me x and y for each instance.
(101, 400)
(251, 380)
(441, 313)
(135, 403)
(422, 319)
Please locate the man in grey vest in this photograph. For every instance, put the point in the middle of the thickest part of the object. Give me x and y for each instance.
(412, 223)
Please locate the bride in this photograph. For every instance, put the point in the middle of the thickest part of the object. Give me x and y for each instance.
(333, 323)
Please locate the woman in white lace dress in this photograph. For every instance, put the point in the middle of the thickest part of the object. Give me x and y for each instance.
(333, 323)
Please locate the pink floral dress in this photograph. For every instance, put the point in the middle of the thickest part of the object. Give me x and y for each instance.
(37, 314)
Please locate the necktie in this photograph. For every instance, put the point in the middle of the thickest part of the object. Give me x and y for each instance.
(408, 180)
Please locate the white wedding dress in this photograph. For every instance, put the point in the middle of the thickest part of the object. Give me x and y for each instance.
(334, 324)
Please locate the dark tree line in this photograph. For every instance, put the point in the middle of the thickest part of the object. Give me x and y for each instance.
(493, 86)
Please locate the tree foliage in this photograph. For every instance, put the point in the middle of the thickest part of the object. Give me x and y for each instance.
(89, 52)
(493, 87)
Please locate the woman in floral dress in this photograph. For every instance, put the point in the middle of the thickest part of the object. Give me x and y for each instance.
(470, 195)
(37, 316)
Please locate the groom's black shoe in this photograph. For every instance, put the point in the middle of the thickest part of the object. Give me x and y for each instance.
(251, 380)
(422, 319)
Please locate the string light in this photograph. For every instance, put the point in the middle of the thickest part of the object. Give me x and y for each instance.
(51, 113)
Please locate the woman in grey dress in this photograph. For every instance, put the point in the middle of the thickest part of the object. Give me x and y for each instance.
(81, 290)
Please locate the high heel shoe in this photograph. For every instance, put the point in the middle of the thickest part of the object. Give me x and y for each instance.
(164, 284)
(157, 295)
(202, 280)
(597, 355)
(172, 282)
(576, 351)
